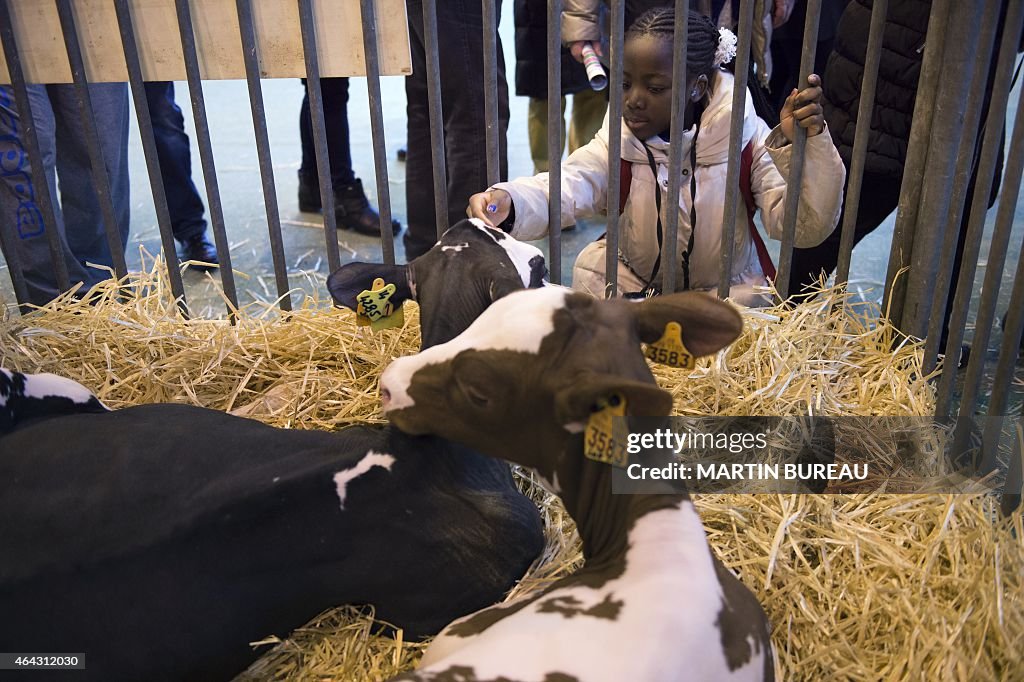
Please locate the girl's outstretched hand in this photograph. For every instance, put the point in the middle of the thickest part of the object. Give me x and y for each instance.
(803, 108)
(491, 206)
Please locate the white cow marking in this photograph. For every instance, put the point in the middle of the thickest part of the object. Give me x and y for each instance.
(517, 322)
(42, 386)
(456, 247)
(671, 600)
(370, 460)
(518, 252)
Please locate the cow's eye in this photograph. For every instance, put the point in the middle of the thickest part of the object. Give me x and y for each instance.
(475, 396)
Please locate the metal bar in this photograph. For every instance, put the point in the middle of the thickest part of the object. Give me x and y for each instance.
(92, 141)
(732, 173)
(1003, 377)
(214, 207)
(914, 166)
(490, 29)
(979, 206)
(554, 47)
(946, 131)
(994, 268)
(380, 160)
(436, 113)
(156, 180)
(681, 90)
(9, 247)
(618, 19)
(860, 138)
(31, 141)
(949, 232)
(259, 122)
(316, 115)
(1004, 373)
(794, 183)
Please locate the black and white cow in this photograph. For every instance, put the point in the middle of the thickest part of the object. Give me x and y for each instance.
(651, 603)
(159, 540)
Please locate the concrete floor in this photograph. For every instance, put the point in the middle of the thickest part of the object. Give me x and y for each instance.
(241, 192)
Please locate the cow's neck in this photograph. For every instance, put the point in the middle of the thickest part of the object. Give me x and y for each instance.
(605, 521)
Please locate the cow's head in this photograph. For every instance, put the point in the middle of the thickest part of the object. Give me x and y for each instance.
(471, 266)
(529, 371)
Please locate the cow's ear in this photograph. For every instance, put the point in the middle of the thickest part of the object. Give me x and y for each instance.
(707, 323)
(576, 401)
(352, 279)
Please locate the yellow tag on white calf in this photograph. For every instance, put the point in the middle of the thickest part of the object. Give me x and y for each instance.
(374, 307)
(599, 443)
(669, 349)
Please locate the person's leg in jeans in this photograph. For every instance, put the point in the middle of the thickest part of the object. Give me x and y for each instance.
(460, 58)
(352, 208)
(19, 196)
(83, 218)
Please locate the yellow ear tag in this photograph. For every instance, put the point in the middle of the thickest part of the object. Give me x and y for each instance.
(669, 349)
(598, 441)
(374, 307)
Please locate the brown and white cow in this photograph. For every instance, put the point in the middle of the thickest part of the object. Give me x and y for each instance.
(651, 603)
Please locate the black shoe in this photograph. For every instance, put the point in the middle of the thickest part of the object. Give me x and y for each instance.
(353, 211)
(309, 193)
(200, 248)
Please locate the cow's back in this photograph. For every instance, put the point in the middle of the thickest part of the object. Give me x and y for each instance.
(159, 540)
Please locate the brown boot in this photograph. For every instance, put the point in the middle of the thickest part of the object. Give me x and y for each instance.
(353, 211)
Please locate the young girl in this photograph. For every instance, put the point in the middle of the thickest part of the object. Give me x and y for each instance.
(521, 206)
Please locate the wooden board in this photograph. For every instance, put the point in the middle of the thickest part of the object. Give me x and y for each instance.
(218, 43)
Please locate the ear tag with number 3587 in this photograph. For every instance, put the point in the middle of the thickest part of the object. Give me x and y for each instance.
(669, 349)
(598, 442)
(374, 307)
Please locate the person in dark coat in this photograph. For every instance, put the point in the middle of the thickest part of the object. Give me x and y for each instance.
(588, 105)
(902, 53)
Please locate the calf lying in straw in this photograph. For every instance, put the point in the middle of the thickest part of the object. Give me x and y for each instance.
(651, 603)
(160, 540)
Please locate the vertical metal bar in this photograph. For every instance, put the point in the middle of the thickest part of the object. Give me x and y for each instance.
(156, 180)
(1011, 343)
(436, 113)
(259, 122)
(994, 267)
(794, 183)
(681, 90)
(490, 29)
(618, 19)
(732, 173)
(554, 140)
(214, 206)
(380, 160)
(860, 138)
(8, 246)
(979, 206)
(914, 166)
(949, 233)
(316, 115)
(947, 129)
(92, 141)
(31, 142)
(1007, 359)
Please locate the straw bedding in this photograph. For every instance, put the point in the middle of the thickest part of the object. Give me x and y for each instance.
(859, 587)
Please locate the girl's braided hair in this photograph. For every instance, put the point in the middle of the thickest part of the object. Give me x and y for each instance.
(701, 43)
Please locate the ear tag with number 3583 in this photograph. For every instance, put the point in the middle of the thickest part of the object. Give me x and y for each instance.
(669, 349)
(598, 442)
(375, 309)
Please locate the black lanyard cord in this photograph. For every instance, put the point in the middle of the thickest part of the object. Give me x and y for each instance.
(685, 256)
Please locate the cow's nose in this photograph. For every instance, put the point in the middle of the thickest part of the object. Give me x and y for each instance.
(385, 397)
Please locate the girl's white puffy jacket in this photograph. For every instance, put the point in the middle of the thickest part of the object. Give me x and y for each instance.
(585, 186)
